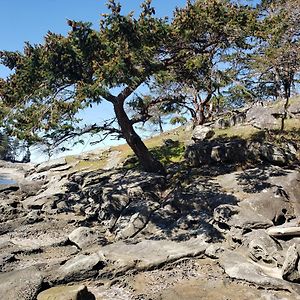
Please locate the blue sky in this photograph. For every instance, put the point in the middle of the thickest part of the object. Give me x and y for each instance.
(29, 20)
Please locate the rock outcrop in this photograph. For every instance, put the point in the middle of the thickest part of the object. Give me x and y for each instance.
(127, 234)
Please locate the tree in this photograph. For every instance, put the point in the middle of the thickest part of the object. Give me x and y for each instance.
(205, 34)
(4, 146)
(275, 63)
(11, 149)
(52, 81)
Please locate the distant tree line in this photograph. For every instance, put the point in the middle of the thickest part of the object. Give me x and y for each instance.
(211, 54)
(13, 150)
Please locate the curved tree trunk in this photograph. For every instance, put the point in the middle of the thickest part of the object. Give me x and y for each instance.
(148, 162)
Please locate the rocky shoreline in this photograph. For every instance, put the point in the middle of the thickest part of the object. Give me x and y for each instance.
(119, 234)
(223, 224)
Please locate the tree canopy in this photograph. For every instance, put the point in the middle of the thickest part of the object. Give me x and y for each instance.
(194, 55)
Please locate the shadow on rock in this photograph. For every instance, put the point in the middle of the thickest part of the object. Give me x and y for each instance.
(256, 180)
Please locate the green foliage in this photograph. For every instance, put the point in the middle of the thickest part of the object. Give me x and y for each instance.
(274, 64)
(212, 52)
(205, 34)
(11, 149)
(51, 82)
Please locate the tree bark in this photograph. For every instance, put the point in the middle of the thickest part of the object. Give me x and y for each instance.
(148, 162)
(161, 130)
(287, 93)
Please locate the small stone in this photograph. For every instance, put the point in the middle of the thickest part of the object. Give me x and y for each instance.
(213, 251)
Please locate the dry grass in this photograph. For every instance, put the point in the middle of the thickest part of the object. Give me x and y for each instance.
(175, 154)
(241, 131)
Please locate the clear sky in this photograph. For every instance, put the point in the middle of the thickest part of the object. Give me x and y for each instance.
(29, 20)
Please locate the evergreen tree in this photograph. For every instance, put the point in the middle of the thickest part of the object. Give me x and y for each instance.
(54, 80)
(275, 63)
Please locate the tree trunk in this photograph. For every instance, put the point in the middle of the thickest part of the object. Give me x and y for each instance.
(200, 116)
(287, 93)
(161, 130)
(148, 162)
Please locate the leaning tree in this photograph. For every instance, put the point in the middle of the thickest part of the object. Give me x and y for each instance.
(51, 82)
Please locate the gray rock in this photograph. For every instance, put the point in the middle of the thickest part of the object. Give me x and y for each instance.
(54, 192)
(290, 268)
(262, 117)
(40, 202)
(273, 154)
(20, 285)
(208, 152)
(5, 258)
(51, 164)
(214, 251)
(262, 248)
(283, 231)
(221, 123)
(198, 154)
(149, 254)
(217, 153)
(9, 187)
(84, 237)
(31, 188)
(67, 292)
(294, 109)
(238, 267)
(235, 216)
(201, 133)
(230, 152)
(136, 223)
(79, 267)
(272, 203)
(232, 121)
(33, 217)
(92, 178)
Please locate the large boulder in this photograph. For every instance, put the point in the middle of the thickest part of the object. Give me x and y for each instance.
(201, 133)
(210, 152)
(262, 248)
(237, 266)
(276, 155)
(80, 267)
(262, 117)
(149, 254)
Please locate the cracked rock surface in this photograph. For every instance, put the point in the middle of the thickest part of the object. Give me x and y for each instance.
(119, 234)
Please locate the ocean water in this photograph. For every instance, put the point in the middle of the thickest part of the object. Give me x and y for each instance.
(5, 180)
